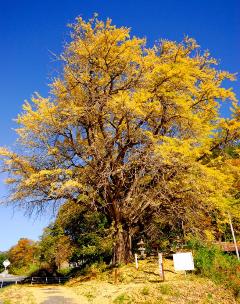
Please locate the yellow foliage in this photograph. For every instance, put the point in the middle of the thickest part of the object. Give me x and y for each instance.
(132, 126)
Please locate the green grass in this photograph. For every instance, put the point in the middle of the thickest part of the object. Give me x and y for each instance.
(122, 299)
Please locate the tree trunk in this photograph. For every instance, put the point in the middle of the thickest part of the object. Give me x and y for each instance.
(123, 247)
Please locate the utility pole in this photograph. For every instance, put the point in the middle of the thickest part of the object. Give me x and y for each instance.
(233, 234)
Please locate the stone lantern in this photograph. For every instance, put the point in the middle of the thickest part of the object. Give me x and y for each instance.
(141, 249)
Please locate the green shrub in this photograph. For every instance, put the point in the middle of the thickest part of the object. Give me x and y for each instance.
(122, 299)
(145, 291)
(65, 271)
(26, 270)
(168, 290)
(210, 261)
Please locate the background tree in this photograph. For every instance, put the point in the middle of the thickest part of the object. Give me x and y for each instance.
(128, 131)
(90, 232)
(23, 255)
(55, 248)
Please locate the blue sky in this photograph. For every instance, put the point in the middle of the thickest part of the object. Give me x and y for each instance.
(31, 30)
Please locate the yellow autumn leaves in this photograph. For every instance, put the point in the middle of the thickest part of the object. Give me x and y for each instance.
(121, 105)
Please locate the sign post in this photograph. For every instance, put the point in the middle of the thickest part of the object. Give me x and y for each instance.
(233, 234)
(160, 263)
(136, 260)
(6, 263)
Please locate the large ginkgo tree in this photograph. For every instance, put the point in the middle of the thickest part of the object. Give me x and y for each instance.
(129, 131)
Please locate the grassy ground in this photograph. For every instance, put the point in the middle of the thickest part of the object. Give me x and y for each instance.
(16, 294)
(144, 286)
(141, 287)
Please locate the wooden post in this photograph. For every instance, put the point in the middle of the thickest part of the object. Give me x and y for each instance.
(136, 261)
(160, 263)
(233, 234)
(115, 275)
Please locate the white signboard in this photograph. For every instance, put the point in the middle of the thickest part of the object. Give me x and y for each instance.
(183, 261)
(6, 263)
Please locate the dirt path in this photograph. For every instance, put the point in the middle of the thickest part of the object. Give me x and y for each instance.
(56, 295)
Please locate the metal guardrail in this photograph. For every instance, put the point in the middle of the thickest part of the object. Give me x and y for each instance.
(33, 280)
(6, 283)
(48, 280)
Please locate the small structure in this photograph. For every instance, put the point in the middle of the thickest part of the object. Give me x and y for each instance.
(229, 246)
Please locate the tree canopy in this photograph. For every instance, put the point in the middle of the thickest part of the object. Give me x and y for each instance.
(23, 254)
(130, 131)
(54, 247)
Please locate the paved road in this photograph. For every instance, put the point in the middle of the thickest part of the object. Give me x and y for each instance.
(56, 295)
(12, 279)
